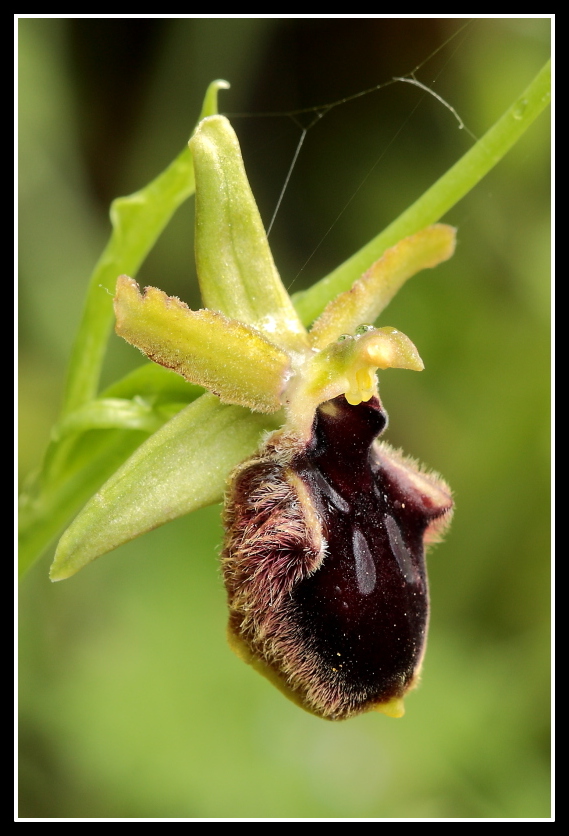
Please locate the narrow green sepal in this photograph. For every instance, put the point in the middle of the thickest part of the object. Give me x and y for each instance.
(235, 266)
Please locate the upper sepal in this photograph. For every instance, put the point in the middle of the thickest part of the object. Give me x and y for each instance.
(235, 265)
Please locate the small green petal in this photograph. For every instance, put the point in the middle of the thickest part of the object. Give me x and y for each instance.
(231, 359)
(181, 468)
(370, 294)
(235, 266)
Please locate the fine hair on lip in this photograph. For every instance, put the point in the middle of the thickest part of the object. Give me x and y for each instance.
(324, 562)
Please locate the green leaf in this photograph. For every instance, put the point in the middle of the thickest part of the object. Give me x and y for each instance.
(74, 445)
(153, 381)
(235, 265)
(181, 468)
(109, 413)
(86, 462)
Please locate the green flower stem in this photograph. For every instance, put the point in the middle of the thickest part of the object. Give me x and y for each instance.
(137, 222)
(437, 200)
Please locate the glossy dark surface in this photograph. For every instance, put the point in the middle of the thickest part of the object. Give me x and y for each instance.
(324, 562)
(364, 612)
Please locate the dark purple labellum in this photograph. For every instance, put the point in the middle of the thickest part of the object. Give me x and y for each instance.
(324, 562)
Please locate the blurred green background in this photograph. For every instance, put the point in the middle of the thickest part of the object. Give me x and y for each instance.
(131, 703)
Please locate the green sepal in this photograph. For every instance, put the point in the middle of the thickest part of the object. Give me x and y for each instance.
(236, 271)
(227, 357)
(75, 468)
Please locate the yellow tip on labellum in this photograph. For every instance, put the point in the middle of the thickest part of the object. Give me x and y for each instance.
(393, 708)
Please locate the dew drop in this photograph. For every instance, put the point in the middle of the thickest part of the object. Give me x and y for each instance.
(520, 108)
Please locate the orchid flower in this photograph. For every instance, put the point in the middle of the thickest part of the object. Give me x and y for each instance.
(357, 518)
(326, 527)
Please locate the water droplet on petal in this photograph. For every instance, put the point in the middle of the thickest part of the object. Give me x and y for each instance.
(520, 108)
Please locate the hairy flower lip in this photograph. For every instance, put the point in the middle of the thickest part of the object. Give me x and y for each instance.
(324, 563)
